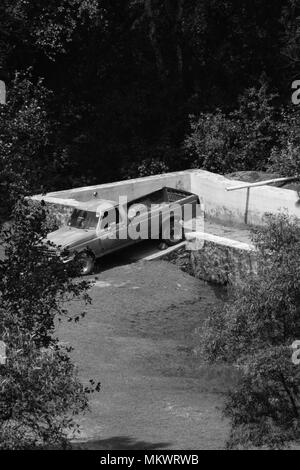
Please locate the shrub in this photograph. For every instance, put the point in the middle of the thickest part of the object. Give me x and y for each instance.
(212, 143)
(285, 156)
(239, 140)
(255, 332)
(147, 167)
(40, 393)
(30, 156)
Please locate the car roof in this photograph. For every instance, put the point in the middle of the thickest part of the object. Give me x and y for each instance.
(99, 205)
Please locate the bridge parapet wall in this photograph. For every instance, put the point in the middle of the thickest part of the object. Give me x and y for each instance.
(220, 205)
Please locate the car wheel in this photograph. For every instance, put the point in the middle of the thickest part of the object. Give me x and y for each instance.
(87, 264)
(173, 234)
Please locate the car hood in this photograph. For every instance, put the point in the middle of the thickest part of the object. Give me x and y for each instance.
(70, 237)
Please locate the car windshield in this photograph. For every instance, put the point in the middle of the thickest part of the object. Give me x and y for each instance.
(83, 219)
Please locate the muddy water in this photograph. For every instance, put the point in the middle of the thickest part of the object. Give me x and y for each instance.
(139, 340)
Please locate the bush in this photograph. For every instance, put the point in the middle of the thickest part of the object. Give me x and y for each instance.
(40, 393)
(30, 156)
(147, 167)
(211, 145)
(240, 140)
(285, 156)
(255, 332)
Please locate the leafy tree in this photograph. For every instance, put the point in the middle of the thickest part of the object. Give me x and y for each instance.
(40, 394)
(211, 143)
(43, 27)
(124, 77)
(162, 22)
(241, 140)
(146, 168)
(258, 121)
(285, 156)
(31, 159)
(291, 38)
(254, 332)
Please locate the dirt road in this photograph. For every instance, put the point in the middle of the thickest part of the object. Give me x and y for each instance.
(138, 340)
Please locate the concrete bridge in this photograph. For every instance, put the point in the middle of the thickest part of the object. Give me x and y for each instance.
(227, 249)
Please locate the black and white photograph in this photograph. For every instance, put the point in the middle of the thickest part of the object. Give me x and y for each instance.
(149, 229)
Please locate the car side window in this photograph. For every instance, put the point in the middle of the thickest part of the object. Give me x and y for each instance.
(104, 221)
(117, 216)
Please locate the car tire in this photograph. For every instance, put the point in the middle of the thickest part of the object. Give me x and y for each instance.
(87, 262)
(168, 233)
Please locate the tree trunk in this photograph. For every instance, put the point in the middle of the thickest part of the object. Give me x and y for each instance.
(178, 35)
(154, 39)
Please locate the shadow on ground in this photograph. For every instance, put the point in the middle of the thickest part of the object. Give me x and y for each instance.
(126, 256)
(120, 443)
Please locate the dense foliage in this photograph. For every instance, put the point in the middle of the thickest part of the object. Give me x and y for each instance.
(40, 393)
(122, 78)
(285, 155)
(31, 159)
(255, 332)
(241, 140)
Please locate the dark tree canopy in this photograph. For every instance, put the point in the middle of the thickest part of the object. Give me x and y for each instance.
(125, 75)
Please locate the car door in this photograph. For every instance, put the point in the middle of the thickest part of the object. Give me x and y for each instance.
(112, 231)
